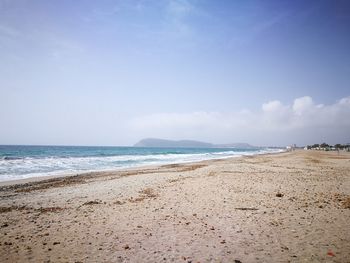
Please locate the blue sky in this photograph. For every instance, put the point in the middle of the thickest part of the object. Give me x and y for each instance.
(113, 72)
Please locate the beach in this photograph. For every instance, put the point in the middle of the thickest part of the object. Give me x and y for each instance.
(285, 207)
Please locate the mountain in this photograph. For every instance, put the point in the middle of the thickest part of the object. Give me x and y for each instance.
(153, 142)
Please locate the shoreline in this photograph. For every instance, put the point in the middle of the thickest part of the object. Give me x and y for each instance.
(285, 207)
(82, 173)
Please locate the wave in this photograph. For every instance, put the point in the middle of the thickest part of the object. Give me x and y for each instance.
(12, 168)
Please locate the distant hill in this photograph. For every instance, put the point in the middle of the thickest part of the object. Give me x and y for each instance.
(153, 142)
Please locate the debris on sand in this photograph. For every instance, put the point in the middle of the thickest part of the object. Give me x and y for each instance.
(6, 209)
(330, 253)
(118, 202)
(246, 208)
(51, 209)
(279, 194)
(95, 202)
(147, 193)
(346, 203)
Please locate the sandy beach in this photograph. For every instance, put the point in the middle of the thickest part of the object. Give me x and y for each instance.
(287, 207)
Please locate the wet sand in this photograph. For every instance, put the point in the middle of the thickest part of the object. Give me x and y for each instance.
(288, 207)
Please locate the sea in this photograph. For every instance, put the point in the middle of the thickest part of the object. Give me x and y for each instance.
(21, 162)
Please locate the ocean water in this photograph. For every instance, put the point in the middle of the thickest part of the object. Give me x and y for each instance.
(19, 162)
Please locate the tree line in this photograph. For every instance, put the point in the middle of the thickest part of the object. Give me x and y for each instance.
(328, 146)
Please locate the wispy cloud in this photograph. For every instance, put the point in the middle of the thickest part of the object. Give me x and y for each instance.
(302, 121)
(262, 26)
(179, 8)
(8, 31)
(253, 31)
(176, 13)
(112, 10)
(171, 24)
(60, 46)
(18, 40)
(3, 3)
(8, 36)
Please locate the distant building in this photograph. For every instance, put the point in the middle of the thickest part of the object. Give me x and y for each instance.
(290, 148)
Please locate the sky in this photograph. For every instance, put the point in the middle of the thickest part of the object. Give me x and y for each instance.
(113, 72)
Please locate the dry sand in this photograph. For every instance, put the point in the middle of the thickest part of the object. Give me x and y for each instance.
(288, 207)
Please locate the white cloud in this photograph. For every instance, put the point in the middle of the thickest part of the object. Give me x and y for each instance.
(272, 106)
(301, 122)
(302, 105)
